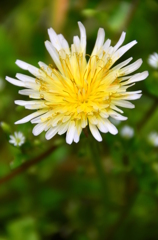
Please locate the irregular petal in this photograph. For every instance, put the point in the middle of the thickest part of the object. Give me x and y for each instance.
(25, 78)
(132, 67)
(15, 82)
(54, 39)
(102, 125)
(95, 132)
(99, 41)
(106, 44)
(70, 132)
(111, 128)
(31, 116)
(123, 103)
(122, 50)
(53, 53)
(63, 128)
(39, 128)
(51, 133)
(82, 36)
(122, 64)
(137, 77)
(120, 41)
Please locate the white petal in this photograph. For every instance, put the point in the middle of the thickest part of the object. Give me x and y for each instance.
(132, 96)
(56, 119)
(123, 103)
(53, 53)
(131, 68)
(38, 128)
(22, 64)
(15, 82)
(20, 102)
(99, 41)
(106, 44)
(25, 78)
(46, 69)
(122, 50)
(115, 108)
(39, 105)
(138, 77)
(82, 36)
(54, 39)
(64, 43)
(116, 115)
(31, 116)
(37, 120)
(95, 132)
(102, 125)
(120, 41)
(93, 120)
(76, 137)
(51, 133)
(76, 42)
(28, 92)
(111, 128)
(24, 103)
(124, 63)
(63, 128)
(36, 72)
(71, 132)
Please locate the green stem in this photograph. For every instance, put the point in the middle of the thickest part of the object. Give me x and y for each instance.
(95, 157)
(27, 165)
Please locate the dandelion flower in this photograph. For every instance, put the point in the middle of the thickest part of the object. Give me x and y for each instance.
(127, 132)
(153, 60)
(17, 139)
(79, 92)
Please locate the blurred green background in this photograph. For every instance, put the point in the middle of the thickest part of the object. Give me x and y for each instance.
(61, 197)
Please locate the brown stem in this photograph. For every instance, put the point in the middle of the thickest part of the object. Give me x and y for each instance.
(85, 130)
(27, 165)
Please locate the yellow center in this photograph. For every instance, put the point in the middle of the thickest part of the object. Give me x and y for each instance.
(80, 90)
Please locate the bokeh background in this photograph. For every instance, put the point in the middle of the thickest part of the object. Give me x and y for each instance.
(50, 190)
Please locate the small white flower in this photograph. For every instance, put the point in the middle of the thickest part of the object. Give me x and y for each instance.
(127, 132)
(153, 139)
(153, 60)
(17, 139)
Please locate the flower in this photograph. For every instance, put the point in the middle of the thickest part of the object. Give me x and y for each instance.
(127, 132)
(17, 139)
(78, 92)
(153, 60)
(153, 139)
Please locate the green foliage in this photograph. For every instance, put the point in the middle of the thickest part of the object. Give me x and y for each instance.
(61, 196)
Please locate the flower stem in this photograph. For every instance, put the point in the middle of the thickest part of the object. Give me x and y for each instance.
(95, 157)
(27, 165)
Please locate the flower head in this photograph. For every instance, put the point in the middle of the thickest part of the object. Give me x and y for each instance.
(17, 139)
(153, 60)
(127, 132)
(78, 92)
